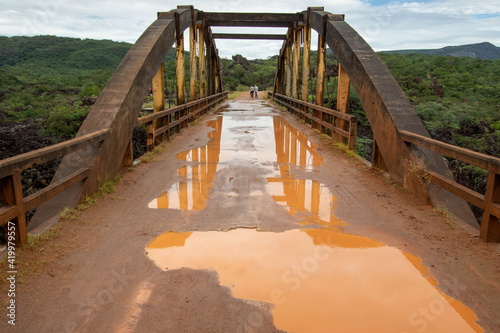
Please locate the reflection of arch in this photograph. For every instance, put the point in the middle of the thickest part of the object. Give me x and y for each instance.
(191, 192)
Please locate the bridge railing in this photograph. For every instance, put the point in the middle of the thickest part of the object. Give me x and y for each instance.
(321, 117)
(163, 122)
(13, 205)
(490, 202)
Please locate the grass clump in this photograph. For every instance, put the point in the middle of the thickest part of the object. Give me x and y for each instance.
(420, 171)
(107, 187)
(445, 215)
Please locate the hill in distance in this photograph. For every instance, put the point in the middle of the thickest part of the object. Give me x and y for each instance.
(61, 52)
(483, 50)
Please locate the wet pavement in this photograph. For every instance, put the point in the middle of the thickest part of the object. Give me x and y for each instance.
(312, 278)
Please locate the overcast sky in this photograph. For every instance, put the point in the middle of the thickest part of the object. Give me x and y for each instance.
(384, 24)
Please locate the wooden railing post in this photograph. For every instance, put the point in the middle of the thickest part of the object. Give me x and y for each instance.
(490, 224)
(11, 194)
(353, 129)
(150, 136)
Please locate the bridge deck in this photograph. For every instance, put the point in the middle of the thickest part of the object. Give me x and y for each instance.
(247, 168)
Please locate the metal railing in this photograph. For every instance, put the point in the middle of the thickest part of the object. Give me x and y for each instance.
(322, 118)
(490, 202)
(14, 206)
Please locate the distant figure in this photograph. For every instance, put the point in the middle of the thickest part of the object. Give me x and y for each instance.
(251, 91)
(256, 89)
(151, 91)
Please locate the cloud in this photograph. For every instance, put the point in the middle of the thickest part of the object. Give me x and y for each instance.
(384, 24)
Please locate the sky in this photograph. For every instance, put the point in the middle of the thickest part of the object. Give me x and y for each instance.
(384, 24)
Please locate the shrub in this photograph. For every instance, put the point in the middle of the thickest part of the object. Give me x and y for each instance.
(65, 122)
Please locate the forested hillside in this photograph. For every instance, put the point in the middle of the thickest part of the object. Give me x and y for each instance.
(483, 50)
(47, 85)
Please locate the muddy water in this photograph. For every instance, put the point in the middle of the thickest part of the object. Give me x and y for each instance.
(312, 280)
(265, 142)
(318, 280)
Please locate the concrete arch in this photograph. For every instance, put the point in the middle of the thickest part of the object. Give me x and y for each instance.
(117, 109)
(388, 110)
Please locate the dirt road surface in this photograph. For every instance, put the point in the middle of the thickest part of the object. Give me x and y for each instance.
(98, 273)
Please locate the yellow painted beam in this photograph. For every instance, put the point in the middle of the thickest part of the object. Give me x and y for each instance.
(202, 61)
(344, 84)
(193, 86)
(179, 71)
(296, 57)
(306, 63)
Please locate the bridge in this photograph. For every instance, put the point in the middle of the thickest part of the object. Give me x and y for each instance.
(252, 167)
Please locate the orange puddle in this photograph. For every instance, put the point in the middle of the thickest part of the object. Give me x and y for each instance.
(319, 280)
(196, 180)
(234, 141)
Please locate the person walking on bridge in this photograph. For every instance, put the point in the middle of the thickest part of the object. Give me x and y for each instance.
(256, 89)
(251, 91)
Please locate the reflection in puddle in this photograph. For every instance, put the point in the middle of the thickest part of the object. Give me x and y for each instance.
(319, 280)
(196, 180)
(246, 141)
(308, 200)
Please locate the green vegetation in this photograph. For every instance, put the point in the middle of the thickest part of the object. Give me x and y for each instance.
(51, 82)
(483, 50)
(54, 80)
(107, 187)
(240, 73)
(445, 215)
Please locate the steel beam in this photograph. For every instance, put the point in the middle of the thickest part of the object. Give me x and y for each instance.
(193, 86)
(201, 60)
(270, 17)
(179, 70)
(296, 57)
(249, 36)
(288, 64)
(258, 24)
(306, 62)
